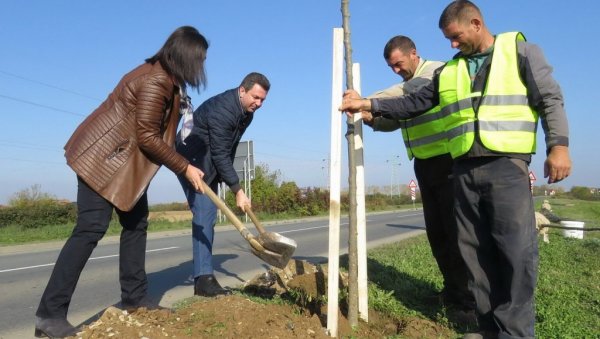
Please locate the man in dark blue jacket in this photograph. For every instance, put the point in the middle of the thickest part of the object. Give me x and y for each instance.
(210, 144)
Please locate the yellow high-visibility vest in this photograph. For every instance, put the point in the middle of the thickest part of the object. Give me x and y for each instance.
(424, 136)
(505, 121)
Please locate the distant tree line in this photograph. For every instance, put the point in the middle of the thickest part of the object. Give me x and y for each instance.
(32, 208)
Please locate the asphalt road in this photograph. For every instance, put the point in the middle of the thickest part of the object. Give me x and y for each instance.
(24, 270)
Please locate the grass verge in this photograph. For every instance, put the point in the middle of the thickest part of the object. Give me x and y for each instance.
(403, 276)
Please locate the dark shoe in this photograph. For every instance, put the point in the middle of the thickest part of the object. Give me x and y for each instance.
(457, 300)
(54, 328)
(466, 318)
(208, 286)
(145, 304)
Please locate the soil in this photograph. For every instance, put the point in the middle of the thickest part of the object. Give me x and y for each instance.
(242, 316)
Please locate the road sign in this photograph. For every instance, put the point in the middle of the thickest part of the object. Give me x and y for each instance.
(532, 176)
(532, 179)
(412, 185)
(243, 163)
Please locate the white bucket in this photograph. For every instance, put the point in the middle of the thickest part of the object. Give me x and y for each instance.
(573, 233)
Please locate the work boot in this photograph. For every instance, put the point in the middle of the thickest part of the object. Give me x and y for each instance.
(54, 328)
(457, 299)
(466, 318)
(208, 286)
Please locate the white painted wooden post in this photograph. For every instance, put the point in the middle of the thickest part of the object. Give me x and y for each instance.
(334, 183)
(361, 218)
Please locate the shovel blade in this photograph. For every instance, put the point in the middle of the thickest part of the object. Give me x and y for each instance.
(277, 243)
(278, 260)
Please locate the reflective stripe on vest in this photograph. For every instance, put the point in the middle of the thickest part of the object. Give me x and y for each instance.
(505, 121)
(424, 136)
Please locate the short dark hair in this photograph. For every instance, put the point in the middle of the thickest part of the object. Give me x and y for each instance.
(459, 10)
(183, 55)
(255, 78)
(401, 42)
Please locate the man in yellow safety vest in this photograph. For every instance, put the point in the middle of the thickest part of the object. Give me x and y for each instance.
(491, 96)
(426, 142)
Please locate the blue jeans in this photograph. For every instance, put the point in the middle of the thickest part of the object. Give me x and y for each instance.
(204, 213)
(498, 241)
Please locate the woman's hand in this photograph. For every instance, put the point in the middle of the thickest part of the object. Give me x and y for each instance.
(194, 175)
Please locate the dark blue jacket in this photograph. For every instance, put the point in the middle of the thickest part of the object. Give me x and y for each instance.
(219, 124)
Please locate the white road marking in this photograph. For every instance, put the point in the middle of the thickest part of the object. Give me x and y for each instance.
(93, 258)
(344, 223)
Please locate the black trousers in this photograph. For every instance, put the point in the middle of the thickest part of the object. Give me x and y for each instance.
(435, 183)
(498, 240)
(94, 215)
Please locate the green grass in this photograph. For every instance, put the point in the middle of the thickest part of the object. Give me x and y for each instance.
(404, 281)
(568, 291)
(14, 235)
(579, 210)
(404, 275)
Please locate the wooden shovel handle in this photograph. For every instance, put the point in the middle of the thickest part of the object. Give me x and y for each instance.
(232, 217)
(254, 219)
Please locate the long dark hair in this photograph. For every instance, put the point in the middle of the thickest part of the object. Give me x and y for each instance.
(183, 55)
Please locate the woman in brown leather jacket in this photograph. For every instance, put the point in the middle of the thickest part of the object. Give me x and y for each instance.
(115, 153)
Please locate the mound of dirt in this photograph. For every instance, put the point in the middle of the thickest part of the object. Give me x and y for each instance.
(236, 316)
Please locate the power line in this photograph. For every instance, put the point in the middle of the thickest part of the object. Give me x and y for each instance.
(294, 158)
(40, 105)
(49, 85)
(35, 161)
(287, 146)
(17, 144)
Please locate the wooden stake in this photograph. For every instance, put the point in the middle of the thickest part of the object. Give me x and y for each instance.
(361, 217)
(334, 184)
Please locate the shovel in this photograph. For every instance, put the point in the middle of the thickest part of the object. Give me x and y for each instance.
(272, 241)
(270, 247)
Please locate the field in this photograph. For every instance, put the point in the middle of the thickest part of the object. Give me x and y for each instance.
(171, 216)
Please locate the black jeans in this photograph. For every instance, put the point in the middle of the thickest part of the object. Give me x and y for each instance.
(498, 240)
(94, 214)
(435, 183)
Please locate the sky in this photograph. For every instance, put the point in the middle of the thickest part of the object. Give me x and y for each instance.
(60, 59)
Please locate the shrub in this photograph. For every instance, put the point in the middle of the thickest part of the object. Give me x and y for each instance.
(36, 215)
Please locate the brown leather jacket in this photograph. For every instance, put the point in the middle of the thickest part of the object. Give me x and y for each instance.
(119, 148)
